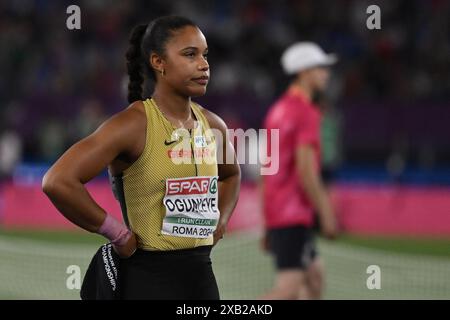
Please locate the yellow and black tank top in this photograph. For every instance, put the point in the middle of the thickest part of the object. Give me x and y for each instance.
(169, 195)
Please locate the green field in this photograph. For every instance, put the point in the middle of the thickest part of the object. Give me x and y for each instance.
(34, 264)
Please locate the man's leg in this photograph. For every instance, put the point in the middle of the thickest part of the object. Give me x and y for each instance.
(313, 267)
(314, 279)
(287, 285)
(293, 252)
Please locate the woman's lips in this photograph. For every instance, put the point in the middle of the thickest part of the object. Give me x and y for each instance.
(201, 81)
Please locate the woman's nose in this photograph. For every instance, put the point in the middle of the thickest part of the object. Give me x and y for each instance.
(204, 66)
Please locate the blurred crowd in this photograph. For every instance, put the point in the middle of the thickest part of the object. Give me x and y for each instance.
(57, 85)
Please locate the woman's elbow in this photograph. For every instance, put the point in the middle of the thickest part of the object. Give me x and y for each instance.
(51, 183)
(48, 183)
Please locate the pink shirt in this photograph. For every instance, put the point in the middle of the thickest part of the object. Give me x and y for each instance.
(285, 201)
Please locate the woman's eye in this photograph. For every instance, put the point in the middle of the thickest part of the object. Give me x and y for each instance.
(205, 56)
(190, 54)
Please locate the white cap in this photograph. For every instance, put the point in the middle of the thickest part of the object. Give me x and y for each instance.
(304, 55)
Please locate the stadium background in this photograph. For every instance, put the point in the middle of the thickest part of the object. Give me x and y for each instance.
(385, 133)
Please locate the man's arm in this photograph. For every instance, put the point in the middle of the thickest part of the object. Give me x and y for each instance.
(314, 188)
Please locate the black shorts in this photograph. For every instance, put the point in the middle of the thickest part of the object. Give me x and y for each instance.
(170, 275)
(293, 247)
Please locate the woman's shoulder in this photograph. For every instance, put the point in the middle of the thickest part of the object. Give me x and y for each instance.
(128, 122)
(132, 116)
(214, 120)
(135, 109)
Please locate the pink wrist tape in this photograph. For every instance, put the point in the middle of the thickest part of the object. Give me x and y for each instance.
(114, 231)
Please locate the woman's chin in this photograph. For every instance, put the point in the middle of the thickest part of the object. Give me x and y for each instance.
(198, 92)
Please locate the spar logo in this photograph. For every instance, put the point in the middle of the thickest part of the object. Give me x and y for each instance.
(213, 186)
(192, 186)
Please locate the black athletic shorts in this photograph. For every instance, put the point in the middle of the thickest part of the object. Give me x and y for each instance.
(293, 247)
(170, 275)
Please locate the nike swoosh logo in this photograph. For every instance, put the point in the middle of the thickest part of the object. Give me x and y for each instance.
(168, 143)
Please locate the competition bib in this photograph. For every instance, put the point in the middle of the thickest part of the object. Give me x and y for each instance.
(191, 207)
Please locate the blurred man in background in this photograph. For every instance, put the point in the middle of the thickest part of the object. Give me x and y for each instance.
(293, 195)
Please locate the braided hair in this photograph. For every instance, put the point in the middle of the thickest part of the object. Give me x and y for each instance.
(145, 39)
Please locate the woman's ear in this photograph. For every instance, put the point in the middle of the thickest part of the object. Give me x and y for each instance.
(156, 62)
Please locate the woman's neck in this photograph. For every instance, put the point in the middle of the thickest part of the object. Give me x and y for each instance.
(172, 104)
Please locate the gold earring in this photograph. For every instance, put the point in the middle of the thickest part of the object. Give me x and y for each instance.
(163, 72)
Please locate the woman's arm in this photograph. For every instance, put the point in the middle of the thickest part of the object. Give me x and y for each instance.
(64, 182)
(229, 176)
